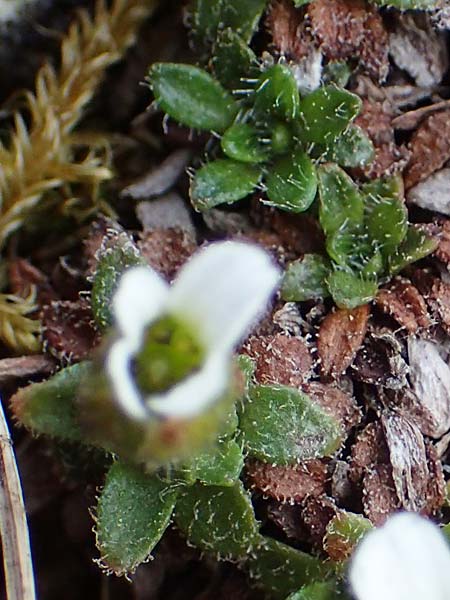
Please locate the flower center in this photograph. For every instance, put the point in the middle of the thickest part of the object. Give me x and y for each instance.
(169, 353)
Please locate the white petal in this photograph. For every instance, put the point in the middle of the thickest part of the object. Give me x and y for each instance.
(140, 298)
(406, 559)
(223, 290)
(192, 395)
(118, 369)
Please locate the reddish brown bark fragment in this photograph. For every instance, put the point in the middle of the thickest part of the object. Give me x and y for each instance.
(23, 277)
(316, 514)
(68, 330)
(443, 250)
(436, 487)
(437, 296)
(166, 250)
(289, 483)
(340, 405)
(405, 304)
(379, 496)
(287, 27)
(288, 518)
(430, 148)
(369, 449)
(351, 29)
(340, 337)
(280, 359)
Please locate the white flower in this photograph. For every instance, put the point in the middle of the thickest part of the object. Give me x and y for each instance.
(219, 293)
(408, 558)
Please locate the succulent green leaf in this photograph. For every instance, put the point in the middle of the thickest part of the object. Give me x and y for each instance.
(220, 465)
(292, 183)
(408, 4)
(277, 93)
(353, 148)
(350, 290)
(320, 590)
(49, 407)
(241, 142)
(415, 246)
(337, 72)
(233, 60)
(223, 181)
(113, 261)
(281, 569)
(218, 519)
(340, 199)
(305, 279)
(191, 96)
(281, 138)
(373, 266)
(133, 511)
(327, 112)
(281, 425)
(344, 532)
(349, 245)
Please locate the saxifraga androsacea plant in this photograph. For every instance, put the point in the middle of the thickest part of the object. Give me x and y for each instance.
(292, 145)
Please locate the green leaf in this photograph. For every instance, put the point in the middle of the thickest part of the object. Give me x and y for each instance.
(337, 72)
(281, 138)
(191, 96)
(343, 534)
(283, 426)
(321, 590)
(350, 290)
(133, 511)
(218, 519)
(408, 4)
(49, 407)
(233, 60)
(114, 258)
(220, 465)
(281, 569)
(326, 112)
(241, 142)
(353, 148)
(349, 246)
(223, 181)
(305, 279)
(415, 246)
(340, 199)
(292, 183)
(277, 93)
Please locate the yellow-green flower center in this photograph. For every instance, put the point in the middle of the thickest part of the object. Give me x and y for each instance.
(169, 353)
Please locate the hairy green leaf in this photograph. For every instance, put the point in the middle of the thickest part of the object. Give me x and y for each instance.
(241, 142)
(292, 183)
(305, 279)
(350, 290)
(277, 93)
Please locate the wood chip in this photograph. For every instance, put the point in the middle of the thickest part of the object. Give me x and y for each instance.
(430, 148)
(369, 449)
(341, 405)
(418, 49)
(166, 250)
(437, 296)
(288, 518)
(403, 301)
(442, 252)
(289, 483)
(429, 405)
(23, 276)
(340, 337)
(379, 496)
(432, 193)
(316, 514)
(280, 359)
(412, 118)
(286, 25)
(25, 367)
(408, 459)
(168, 212)
(351, 29)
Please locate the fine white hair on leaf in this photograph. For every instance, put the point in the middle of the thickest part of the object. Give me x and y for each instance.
(220, 294)
(405, 559)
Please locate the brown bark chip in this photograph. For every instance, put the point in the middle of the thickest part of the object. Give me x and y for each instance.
(280, 359)
(23, 277)
(289, 483)
(340, 337)
(316, 514)
(430, 148)
(405, 304)
(286, 25)
(437, 296)
(379, 496)
(340, 405)
(351, 29)
(288, 518)
(166, 250)
(369, 449)
(443, 250)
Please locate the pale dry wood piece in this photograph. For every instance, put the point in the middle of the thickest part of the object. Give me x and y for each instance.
(280, 359)
(341, 335)
(161, 178)
(433, 192)
(405, 304)
(430, 148)
(169, 211)
(407, 455)
(412, 118)
(351, 29)
(24, 367)
(339, 404)
(17, 560)
(418, 49)
(429, 377)
(289, 483)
